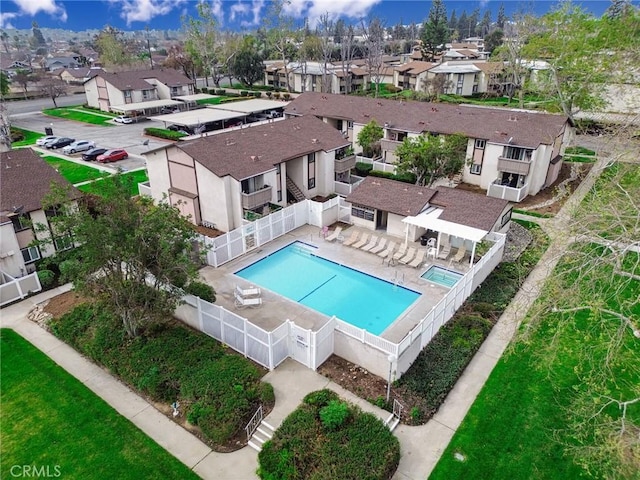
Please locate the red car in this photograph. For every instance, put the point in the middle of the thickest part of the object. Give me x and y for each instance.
(112, 156)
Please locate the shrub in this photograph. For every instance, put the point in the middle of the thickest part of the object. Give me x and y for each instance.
(47, 278)
(220, 91)
(212, 91)
(202, 290)
(244, 93)
(334, 415)
(363, 169)
(276, 95)
(257, 94)
(406, 177)
(269, 95)
(68, 269)
(16, 135)
(320, 398)
(286, 95)
(163, 133)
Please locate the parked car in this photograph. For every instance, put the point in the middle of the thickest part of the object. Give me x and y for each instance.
(42, 141)
(78, 146)
(112, 156)
(123, 119)
(60, 142)
(165, 110)
(92, 154)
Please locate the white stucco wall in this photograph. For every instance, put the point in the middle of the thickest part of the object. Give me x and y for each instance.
(12, 263)
(91, 91)
(214, 199)
(158, 173)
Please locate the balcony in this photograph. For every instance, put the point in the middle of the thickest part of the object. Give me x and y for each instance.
(389, 145)
(344, 188)
(504, 192)
(511, 165)
(345, 163)
(257, 198)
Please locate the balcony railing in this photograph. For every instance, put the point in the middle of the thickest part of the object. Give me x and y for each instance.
(345, 164)
(257, 198)
(144, 188)
(389, 145)
(504, 192)
(344, 188)
(510, 165)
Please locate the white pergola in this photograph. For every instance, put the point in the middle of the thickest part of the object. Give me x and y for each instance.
(130, 107)
(247, 107)
(193, 118)
(429, 219)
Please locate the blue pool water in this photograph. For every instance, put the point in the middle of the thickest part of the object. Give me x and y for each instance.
(362, 300)
(442, 276)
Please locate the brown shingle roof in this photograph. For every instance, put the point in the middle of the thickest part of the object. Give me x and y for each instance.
(526, 129)
(391, 196)
(251, 151)
(468, 208)
(490, 67)
(415, 67)
(135, 79)
(25, 179)
(459, 206)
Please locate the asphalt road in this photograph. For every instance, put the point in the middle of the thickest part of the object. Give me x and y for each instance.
(17, 107)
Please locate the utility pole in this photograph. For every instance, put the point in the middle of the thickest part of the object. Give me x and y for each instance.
(149, 47)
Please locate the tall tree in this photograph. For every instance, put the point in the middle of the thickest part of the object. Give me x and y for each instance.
(619, 8)
(430, 158)
(178, 59)
(135, 255)
(112, 47)
(53, 87)
(200, 40)
(5, 128)
(280, 33)
(493, 40)
(453, 21)
(247, 64)
(463, 25)
(24, 78)
(4, 84)
(373, 34)
(485, 24)
(346, 56)
(324, 29)
(435, 32)
(37, 40)
(474, 19)
(501, 19)
(369, 137)
(4, 37)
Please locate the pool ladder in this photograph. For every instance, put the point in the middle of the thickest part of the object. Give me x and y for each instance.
(396, 279)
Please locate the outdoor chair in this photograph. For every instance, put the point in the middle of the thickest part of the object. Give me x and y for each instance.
(411, 252)
(462, 251)
(336, 233)
(380, 247)
(402, 251)
(324, 232)
(372, 243)
(444, 253)
(362, 242)
(242, 302)
(249, 291)
(419, 260)
(352, 239)
(389, 250)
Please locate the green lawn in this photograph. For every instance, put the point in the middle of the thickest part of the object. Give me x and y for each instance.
(29, 137)
(134, 177)
(50, 419)
(220, 99)
(580, 154)
(73, 172)
(80, 114)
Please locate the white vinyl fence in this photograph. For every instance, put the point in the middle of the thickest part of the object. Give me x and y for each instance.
(381, 166)
(13, 289)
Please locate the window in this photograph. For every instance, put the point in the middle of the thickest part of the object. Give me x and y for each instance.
(476, 168)
(517, 153)
(480, 143)
(174, 91)
(279, 181)
(312, 171)
(505, 218)
(365, 213)
(20, 222)
(63, 243)
(30, 254)
(127, 94)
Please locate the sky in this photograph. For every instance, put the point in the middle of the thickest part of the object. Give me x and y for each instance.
(239, 15)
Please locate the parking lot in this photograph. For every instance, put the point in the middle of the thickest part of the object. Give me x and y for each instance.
(130, 137)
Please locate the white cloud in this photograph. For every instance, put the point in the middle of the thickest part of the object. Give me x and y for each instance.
(216, 9)
(5, 19)
(33, 7)
(238, 9)
(313, 9)
(145, 10)
(484, 3)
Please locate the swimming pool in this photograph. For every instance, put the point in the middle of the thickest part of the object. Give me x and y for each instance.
(442, 276)
(297, 273)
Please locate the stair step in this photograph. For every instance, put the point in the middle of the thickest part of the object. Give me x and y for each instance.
(265, 424)
(394, 424)
(390, 419)
(266, 434)
(257, 448)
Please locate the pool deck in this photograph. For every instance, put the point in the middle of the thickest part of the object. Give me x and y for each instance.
(276, 309)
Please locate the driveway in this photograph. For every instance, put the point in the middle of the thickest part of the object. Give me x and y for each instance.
(130, 137)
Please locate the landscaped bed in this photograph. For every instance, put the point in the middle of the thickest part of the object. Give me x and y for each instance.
(27, 137)
(73, 172)
(423, 388)
(217, 389)
(53, 422)
(326, 438)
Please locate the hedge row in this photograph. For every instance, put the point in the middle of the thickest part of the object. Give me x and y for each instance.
(216, 388)
(440, 365)
(163, 133)
(365, 169)
(328, 438)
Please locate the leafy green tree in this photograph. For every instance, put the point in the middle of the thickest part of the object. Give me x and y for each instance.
(432, 157)
(247, 64)
(38, 39)
(112, 47)
(200, 41)
(435, 32)
(279, 36)
(493, 40)
(4, 84)
(369, 136)
(501, 19)
(485, 24)
(135, 254)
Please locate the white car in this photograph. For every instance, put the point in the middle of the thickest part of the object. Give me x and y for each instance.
(78, 146)
(123, 119)
(42, 141)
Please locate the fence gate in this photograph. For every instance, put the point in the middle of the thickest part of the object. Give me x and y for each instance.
(300, 348)
(344, 212)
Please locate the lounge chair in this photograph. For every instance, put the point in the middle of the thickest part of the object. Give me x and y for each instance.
(411, 252)
(389, 257)
(402, 251)
(380, 247)
(444, 253)
(249, 291)
(242, 302)
(362, 242)
(372, 243)
(352, 239)
(332, 236)
(462, 251)
(390, 248)
(419, 260)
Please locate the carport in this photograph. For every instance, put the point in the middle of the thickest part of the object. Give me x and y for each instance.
(150, 107)
(192, 100)
(196, 118)
(247, 107)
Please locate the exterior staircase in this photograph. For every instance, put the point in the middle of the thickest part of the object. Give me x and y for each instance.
(293, 189)
(263, 433)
